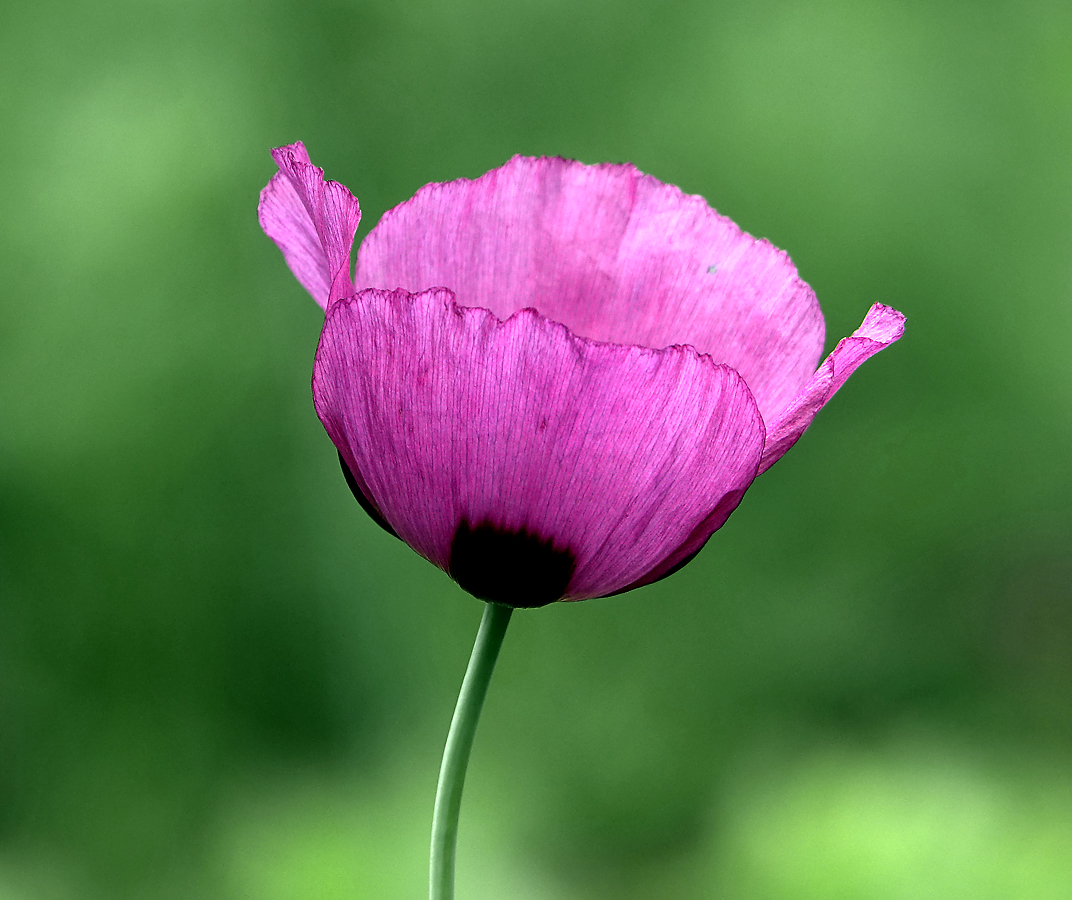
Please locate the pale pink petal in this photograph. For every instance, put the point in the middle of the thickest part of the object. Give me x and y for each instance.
(312, 221)
(613, 254)
(881, 327)
(474, 437)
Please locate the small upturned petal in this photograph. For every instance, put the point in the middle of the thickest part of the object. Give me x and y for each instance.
(531, 464)
(313, 222)
(614, 255)
(881, 327)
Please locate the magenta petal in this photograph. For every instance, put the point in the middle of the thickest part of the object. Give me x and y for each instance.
(613, 254)
(881, 327)
(468, 432)
(312, 221)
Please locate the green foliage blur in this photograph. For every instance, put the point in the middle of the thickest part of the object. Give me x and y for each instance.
(220, 680)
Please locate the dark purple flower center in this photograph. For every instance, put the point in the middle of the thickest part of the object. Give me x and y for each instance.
(514, 568)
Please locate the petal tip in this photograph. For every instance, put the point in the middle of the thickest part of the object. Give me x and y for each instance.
(288, 154)
(882, 323)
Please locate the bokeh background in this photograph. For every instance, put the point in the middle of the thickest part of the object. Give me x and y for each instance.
(219, 680)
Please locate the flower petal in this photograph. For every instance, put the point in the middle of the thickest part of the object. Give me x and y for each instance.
(613, 254)
(881, 327)
(312, 221)
(530, 463)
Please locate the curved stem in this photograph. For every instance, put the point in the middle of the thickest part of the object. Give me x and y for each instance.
(448, 801)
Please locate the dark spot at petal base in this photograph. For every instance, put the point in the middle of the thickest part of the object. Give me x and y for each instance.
(360, 497)
(513, 568)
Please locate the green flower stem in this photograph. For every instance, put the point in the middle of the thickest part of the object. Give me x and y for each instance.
(448, 801)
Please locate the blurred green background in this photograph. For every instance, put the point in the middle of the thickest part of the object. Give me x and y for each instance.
(219, 680)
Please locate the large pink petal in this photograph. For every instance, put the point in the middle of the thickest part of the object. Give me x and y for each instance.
(613, 254)
(476, 435)
(881, 327)
(312, 221)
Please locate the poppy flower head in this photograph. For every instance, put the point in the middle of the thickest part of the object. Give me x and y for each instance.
(555, 381)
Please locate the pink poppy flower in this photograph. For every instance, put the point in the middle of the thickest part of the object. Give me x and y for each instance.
(558, 380)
